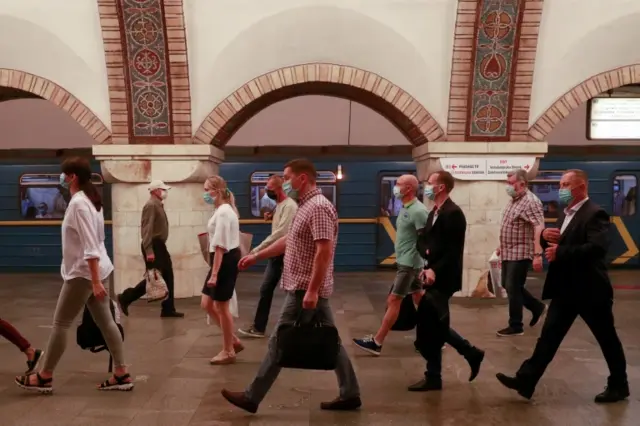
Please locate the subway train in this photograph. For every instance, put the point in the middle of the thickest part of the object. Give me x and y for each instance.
(32, 203)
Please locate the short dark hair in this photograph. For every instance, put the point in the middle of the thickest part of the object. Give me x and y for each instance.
(303, 166)
(445, 178)
(81, 168)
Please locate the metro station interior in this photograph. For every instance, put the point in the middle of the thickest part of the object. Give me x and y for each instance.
(179, 90)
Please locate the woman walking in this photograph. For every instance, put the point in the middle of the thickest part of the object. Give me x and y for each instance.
(85, 266)
(224, 252)
(10, 333)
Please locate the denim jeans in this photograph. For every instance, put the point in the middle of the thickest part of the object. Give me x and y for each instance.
(269, 369)
(270, 282)
(514, 278)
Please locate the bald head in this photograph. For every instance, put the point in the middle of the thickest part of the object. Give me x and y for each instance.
(274, 183)
(408, 187)
(575, 184)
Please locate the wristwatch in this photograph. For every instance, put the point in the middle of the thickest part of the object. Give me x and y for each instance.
(537, 254)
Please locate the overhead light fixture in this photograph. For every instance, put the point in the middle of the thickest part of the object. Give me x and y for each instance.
(339, 175)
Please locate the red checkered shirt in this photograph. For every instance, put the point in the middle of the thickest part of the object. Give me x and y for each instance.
(316, 219)
(519, 219)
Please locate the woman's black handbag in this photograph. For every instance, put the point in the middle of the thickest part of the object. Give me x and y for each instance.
(307, 345)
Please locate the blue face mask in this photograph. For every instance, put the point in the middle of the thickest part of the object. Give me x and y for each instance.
(63, 183)
(565, 196)
(397, 192)
(208, 198)
(511, 191)
(288, 189)
(429, 192)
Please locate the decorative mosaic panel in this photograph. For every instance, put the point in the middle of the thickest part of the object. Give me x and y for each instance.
(144, 41)
(494, 58)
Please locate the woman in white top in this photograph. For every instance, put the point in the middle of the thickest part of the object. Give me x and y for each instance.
(224, 252)
(85, 266)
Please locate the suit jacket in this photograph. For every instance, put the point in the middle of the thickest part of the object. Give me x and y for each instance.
(444, 241)
(580, 270)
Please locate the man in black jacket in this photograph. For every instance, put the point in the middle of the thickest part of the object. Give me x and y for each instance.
(441, 243)
(578, 285)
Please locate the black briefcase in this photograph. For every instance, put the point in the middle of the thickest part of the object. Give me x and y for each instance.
(307, 345)
(408, 315)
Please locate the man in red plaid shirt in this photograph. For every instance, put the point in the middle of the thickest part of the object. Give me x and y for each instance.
(307, 279)
(522, 225)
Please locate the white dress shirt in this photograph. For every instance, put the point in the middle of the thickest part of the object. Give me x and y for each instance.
(570, 213)
(83, 239)
(224, 229)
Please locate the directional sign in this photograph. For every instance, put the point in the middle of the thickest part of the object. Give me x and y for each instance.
(485, 168)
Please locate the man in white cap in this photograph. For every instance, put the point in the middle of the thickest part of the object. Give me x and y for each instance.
(154, 230)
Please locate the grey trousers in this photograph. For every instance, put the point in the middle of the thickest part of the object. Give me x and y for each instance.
(73, 297)
(269, 370)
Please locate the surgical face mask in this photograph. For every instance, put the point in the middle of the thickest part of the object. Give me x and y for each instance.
(164, 194)
(288, 189)
(208, 198)
(429, 192)
(272, 194)
(397, 192)
(63, 182)
(565, 196)
(511, 191)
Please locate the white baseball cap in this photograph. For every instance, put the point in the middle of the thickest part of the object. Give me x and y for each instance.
(158, 184)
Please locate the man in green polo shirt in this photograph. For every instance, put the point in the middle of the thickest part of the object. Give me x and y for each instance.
(411, 219)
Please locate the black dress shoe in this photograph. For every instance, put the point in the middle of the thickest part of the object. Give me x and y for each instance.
(426, 385)
(475, 361)
(536, 317)
(516, 384)
(124, 307)
(239, 399)
(173, 314)
(613, 394)
(339, 404)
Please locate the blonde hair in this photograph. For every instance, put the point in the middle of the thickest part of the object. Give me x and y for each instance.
(218, 183)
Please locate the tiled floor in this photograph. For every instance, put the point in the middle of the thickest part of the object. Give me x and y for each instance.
(176, 386)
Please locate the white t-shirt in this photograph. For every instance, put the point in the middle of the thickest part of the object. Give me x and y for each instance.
(224, 229)
(82, 239)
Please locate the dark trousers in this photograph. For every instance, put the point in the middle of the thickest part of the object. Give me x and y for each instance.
(598, 315)
(433, 330)
(10, 333)
(162, 262)
(514, 278)
(270, 281)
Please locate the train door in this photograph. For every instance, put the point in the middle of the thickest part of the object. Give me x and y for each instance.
(388, 210)
(624, 217)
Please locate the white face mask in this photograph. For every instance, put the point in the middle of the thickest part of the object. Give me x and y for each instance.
(164, 194)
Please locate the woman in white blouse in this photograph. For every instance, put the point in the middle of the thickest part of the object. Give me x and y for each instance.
(224, 252)
(85, 266)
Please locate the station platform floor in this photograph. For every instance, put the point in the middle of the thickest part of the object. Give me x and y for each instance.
(176, 386)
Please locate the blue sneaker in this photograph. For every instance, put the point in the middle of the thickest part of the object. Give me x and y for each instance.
(368, 344)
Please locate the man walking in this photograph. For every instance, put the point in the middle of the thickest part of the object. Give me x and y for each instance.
(285, 210)
(442, 244)
(411, 219)
(578, 285)
(522, 224)
(154, 229)
(309, 249)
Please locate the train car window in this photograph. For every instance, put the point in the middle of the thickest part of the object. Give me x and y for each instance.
(546, 186)
(389, 205)
(624, 195)
(42, 197)
(261, 203)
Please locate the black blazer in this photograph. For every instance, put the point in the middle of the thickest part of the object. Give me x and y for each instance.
(445, 242)
(580, 272)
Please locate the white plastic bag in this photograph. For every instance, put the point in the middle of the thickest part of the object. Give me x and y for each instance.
(233, 308)
(495, 272)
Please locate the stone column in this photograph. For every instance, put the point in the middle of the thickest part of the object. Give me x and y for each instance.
(129, 169)
(480, 170)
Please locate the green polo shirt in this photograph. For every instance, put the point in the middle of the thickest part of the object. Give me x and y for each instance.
(412, 217)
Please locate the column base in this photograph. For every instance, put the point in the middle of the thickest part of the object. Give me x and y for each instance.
(129, 169)
(481, 196)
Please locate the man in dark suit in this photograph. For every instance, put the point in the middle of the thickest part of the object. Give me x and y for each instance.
(578, 285)
(441, 243)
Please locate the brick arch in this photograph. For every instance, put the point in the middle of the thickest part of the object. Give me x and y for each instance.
(580, 94)
(365, 87)
(46, 89)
